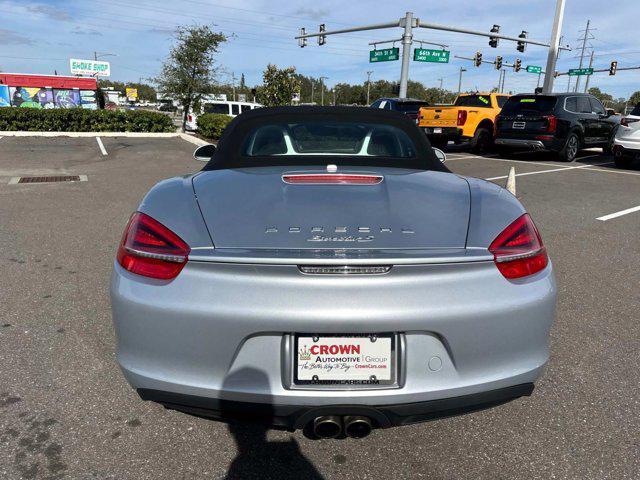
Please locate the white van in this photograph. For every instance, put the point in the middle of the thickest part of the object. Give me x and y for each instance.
(224, 107)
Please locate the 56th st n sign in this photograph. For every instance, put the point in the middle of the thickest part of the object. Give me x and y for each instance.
(93, 68)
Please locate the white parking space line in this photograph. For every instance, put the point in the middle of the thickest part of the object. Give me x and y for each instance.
(101, 145)
(619, 172)
(549, 171)
(619, 214)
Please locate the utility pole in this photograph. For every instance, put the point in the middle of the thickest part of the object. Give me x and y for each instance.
(368, 84)
(552, 56)
(408, 23)
(460, 80)
(586, 85)
(312, 85)
(233, 85)
(322, 79)
(407, 40)
(584, 46)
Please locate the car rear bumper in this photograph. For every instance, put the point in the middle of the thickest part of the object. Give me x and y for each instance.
(627, 144)
(448, 133)
(222, 331)
(294, 417)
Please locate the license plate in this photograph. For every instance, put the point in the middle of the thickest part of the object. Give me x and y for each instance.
(345, 360)
(437, 130)
(519, 125)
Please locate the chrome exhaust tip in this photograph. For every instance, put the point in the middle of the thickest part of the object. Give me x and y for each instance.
(357, 426)
(328, 426)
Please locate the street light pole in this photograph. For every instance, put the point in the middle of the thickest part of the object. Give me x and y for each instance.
(322, 79)
(552, 56)
(368, 84)
(460, 80)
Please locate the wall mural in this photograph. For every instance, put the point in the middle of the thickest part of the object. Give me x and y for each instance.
(5, 97)
(31, 97)
(66, 98)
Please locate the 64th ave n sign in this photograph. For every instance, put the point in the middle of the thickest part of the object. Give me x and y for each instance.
(429, 55)
(580, 71)
(93, 68)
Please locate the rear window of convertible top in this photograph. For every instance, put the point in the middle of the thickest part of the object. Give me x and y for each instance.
(328, 138)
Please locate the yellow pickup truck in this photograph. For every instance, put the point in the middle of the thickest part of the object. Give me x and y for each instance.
(469, 119)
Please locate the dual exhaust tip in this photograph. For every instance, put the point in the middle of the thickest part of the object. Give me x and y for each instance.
(331, 426)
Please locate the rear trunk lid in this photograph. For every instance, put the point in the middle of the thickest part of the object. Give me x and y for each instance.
(254, 208)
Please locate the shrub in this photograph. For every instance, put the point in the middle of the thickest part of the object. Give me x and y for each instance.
(80, 120)
(211, 125)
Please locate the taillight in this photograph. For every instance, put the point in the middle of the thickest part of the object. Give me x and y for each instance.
(462, 117)
(626, 121)
(552, 123)
(150, 249)
(190, 117)
(518, 251)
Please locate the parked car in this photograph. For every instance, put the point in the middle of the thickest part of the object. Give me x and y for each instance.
(408, 106)
(325, 271)
(562, 123)
(470, 119)
(626, 143)
(223, 107)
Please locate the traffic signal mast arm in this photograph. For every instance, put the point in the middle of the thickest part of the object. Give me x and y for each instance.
(471, 59)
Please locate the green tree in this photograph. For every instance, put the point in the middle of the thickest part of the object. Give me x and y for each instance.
(605, 98)
(190, 70)
(146, 92)
(635, 98)
(279, 86)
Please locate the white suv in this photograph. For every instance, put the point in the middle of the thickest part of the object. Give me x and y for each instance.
(223, 107)
(626, 144)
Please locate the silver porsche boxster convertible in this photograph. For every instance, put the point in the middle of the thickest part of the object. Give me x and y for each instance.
(325, 271)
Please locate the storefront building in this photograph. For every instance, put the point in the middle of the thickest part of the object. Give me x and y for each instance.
(47, 91)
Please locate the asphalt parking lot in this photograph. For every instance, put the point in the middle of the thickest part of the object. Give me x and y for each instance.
(67, 412)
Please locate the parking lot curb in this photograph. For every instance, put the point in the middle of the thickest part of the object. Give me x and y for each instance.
(90, 134)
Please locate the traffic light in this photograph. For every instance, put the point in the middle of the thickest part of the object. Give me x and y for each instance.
(522, 45)
(477, 60)
(517, 65)
(493, 41)
(613, 68)
(302, 42)
(322, 39)
(498, 62)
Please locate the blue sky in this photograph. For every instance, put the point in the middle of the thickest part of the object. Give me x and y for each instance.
(40, 37)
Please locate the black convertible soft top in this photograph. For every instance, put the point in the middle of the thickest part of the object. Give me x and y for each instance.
(229, 151)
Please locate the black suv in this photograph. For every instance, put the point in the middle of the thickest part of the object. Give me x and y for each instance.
(562, 123)
(408, 106)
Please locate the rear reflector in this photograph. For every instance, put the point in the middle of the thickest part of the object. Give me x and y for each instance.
(331, 179)
(150, 249)
(518, 251)
(344, 270)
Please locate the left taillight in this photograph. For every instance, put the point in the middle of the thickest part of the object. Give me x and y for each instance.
(518, 251)
(150, 249)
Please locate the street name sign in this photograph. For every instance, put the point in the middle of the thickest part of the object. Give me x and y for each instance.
(429, 55)
(534, 69)
(89, 67)
(580, 71)
(384, 55)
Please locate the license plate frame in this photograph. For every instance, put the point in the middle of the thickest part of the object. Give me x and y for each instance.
(518, 125)
(334, 384)
(437, 130)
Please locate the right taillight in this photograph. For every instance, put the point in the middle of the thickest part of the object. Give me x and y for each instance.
(552, 123)
(462, 117)
(626, 121)
(150, 249)
(518, 250)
